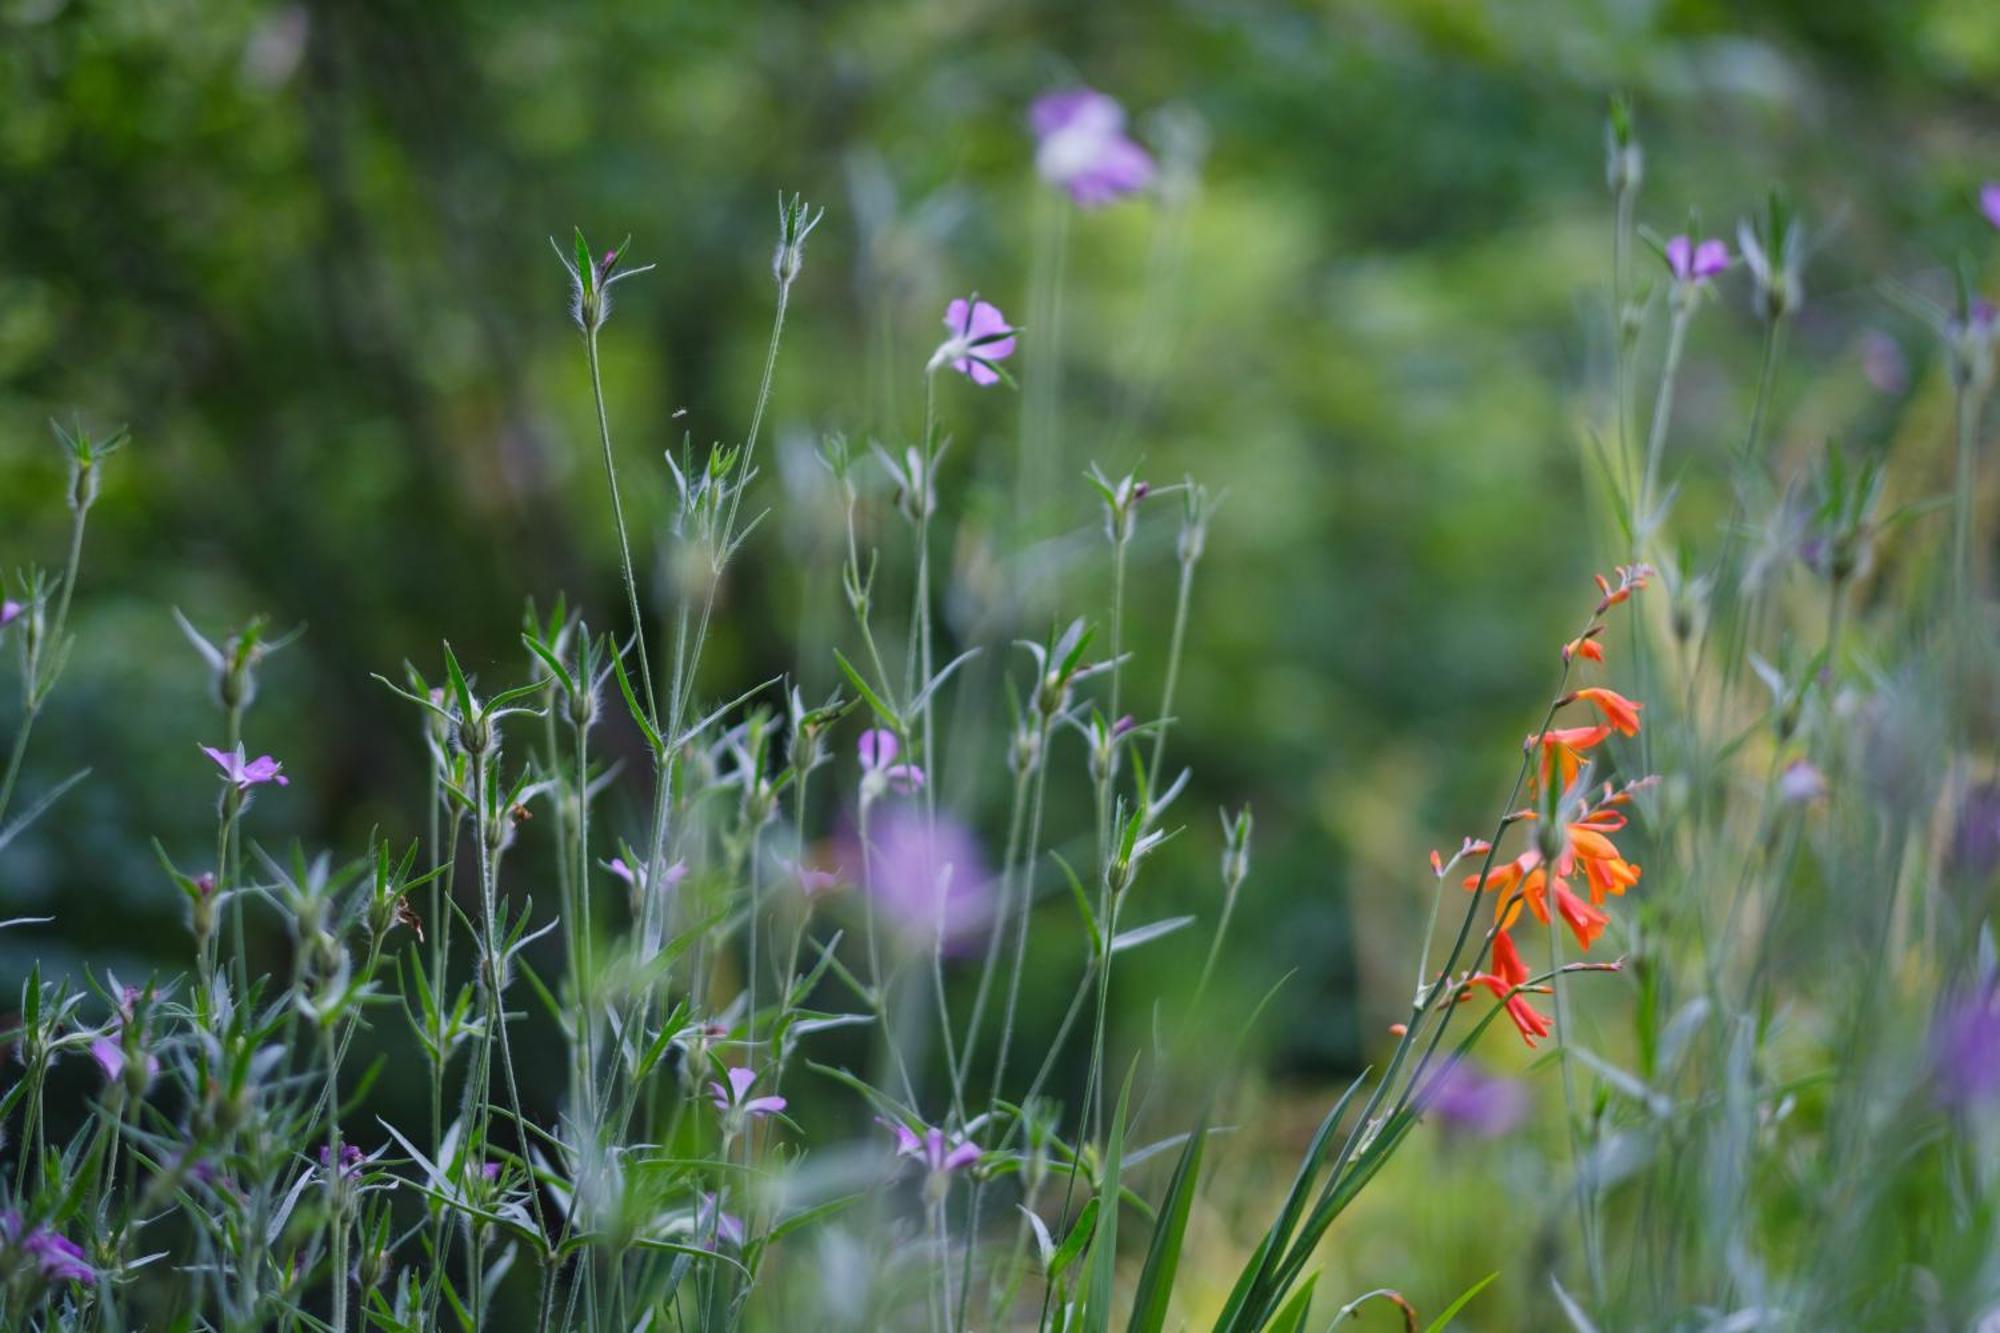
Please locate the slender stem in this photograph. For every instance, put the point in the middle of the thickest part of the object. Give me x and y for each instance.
(1175, 643)
(1663, 408)
(35, 688)
(336, 1207)
(624, 541)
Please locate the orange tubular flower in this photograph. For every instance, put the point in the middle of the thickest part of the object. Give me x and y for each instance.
(1619, 711)
(1508, 972)
(1587, 647)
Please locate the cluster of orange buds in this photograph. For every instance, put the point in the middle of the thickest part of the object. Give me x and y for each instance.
(1574, 845)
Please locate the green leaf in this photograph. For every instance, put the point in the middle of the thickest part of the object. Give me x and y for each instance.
(888, 715)
(1082, 907)
(1079, 1236)
(1163, 1255)
(1104, 1247)
(1450, 1312)
(632, 704)
(1293, 1317)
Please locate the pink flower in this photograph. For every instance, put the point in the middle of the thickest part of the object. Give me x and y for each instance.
(926, 875)
(980, 336)
(931, 1149)
(244, 775)
(1696, 263)
(635, 876)
(1989, 201)
(1081, 147)
(878, 750)
(814, 883)
(731, 1100)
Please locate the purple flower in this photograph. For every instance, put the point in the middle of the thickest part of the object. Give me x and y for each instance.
(10, 612)
(1965, 1049)
(711, 1224)
(1478, 1105)
(635, 876)
(244, 775)
(1883, 362)
(1696, 263)
(1081, 147)
(56, 1256)
(109, 1050)
(731, 1100)
(351, 1159)
(927, 876)
(1989, 201)
(878, 750)
(931, 1149)
(980, 336)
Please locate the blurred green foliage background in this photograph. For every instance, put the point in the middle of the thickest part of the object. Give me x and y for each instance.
(301, 250)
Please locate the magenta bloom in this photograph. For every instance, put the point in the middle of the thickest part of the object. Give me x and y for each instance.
(931, 1149)
(56, 1256)
(1965, 1049)
(1696, 263)
(1989, 201)
(928, 877)
(731, 1100)
(980, 336)
(1478, 1105)
(878, 750)
(1081, 147)
(245, 775)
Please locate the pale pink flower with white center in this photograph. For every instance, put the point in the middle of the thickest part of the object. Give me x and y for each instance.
(932, 1149)
(732, 1100)
(242, 774)
(878, 750)
(980, 336)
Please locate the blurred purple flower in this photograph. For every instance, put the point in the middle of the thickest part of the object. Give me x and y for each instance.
(1801, 782)
(712, 1224)
(1975, 842)
(924, 875)
(1883, 362)
(931, 1149)
(878, 750)
(1696, 263)
(813, 882)
(1965, 1049)
(245, 775)
(56, 1256)
(1478, 1105)
(731, 1100)
(1989, 201)
(1081, 147)
(10, 611)
(980, 335)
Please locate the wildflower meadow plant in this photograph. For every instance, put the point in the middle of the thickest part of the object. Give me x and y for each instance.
(637, 1000)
